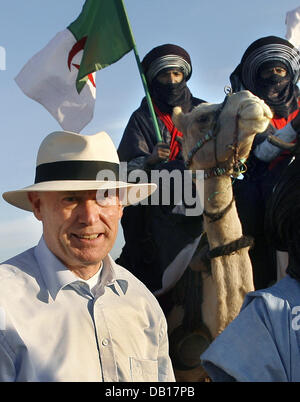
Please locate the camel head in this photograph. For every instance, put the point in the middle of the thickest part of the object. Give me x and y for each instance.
(216, 134)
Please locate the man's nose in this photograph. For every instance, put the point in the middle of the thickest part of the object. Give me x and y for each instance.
(89, 212)
(172, 78)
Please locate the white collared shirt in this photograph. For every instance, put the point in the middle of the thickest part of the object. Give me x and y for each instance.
(53, 328)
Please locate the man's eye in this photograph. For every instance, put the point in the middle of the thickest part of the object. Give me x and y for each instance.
(102, 193)
(70, 199)
(107, 197)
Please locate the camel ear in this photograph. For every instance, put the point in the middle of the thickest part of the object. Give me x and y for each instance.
(179, 118)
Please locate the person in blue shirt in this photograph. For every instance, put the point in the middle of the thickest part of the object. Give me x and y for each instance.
(68, 312)
(263, 343)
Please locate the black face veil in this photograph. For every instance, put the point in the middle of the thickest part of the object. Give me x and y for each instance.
(166, 96)
(280, 93)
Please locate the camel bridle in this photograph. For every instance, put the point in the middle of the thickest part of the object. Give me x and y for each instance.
(212, 134)
(233, 170)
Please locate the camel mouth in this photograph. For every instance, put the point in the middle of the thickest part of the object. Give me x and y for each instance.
(255, 110)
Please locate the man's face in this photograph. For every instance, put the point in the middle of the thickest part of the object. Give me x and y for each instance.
(76, 228)
(268, 72)
(170, 76)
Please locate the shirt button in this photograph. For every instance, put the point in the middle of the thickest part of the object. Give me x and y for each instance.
(105, 342)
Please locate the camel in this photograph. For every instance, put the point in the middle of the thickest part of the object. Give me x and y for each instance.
(217, 138)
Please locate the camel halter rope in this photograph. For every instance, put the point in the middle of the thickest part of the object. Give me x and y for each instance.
(212, 135)
(237, 169)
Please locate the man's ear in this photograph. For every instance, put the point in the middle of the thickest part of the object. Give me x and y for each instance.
(35, 200)
(120, 211)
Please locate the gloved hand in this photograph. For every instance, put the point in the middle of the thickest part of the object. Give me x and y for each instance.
(160, 153)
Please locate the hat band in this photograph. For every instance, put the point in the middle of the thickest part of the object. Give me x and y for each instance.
(75, 170)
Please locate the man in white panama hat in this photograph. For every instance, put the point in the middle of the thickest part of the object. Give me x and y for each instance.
(69, 313)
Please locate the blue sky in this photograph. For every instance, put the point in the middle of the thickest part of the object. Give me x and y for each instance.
(214, 32)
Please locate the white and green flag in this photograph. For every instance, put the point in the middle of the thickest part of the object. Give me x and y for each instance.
(62, 75)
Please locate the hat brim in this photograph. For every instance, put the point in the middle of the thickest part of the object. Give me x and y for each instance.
(133, 194)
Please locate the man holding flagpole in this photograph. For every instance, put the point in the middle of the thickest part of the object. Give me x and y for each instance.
(160, 232)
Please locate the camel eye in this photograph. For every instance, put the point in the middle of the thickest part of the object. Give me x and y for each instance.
(203, 119)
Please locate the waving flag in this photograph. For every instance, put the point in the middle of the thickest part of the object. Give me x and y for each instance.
(61, 76)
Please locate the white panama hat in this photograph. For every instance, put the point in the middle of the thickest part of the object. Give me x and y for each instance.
(69, 161)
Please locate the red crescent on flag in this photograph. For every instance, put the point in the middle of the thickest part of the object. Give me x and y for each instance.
(90, 76)
(79, 45)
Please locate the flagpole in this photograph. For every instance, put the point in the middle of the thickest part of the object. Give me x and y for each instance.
(143, 78)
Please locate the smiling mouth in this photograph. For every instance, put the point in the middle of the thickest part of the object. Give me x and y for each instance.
(87, 237)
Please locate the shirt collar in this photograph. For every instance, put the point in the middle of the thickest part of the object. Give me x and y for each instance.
(56, 275)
